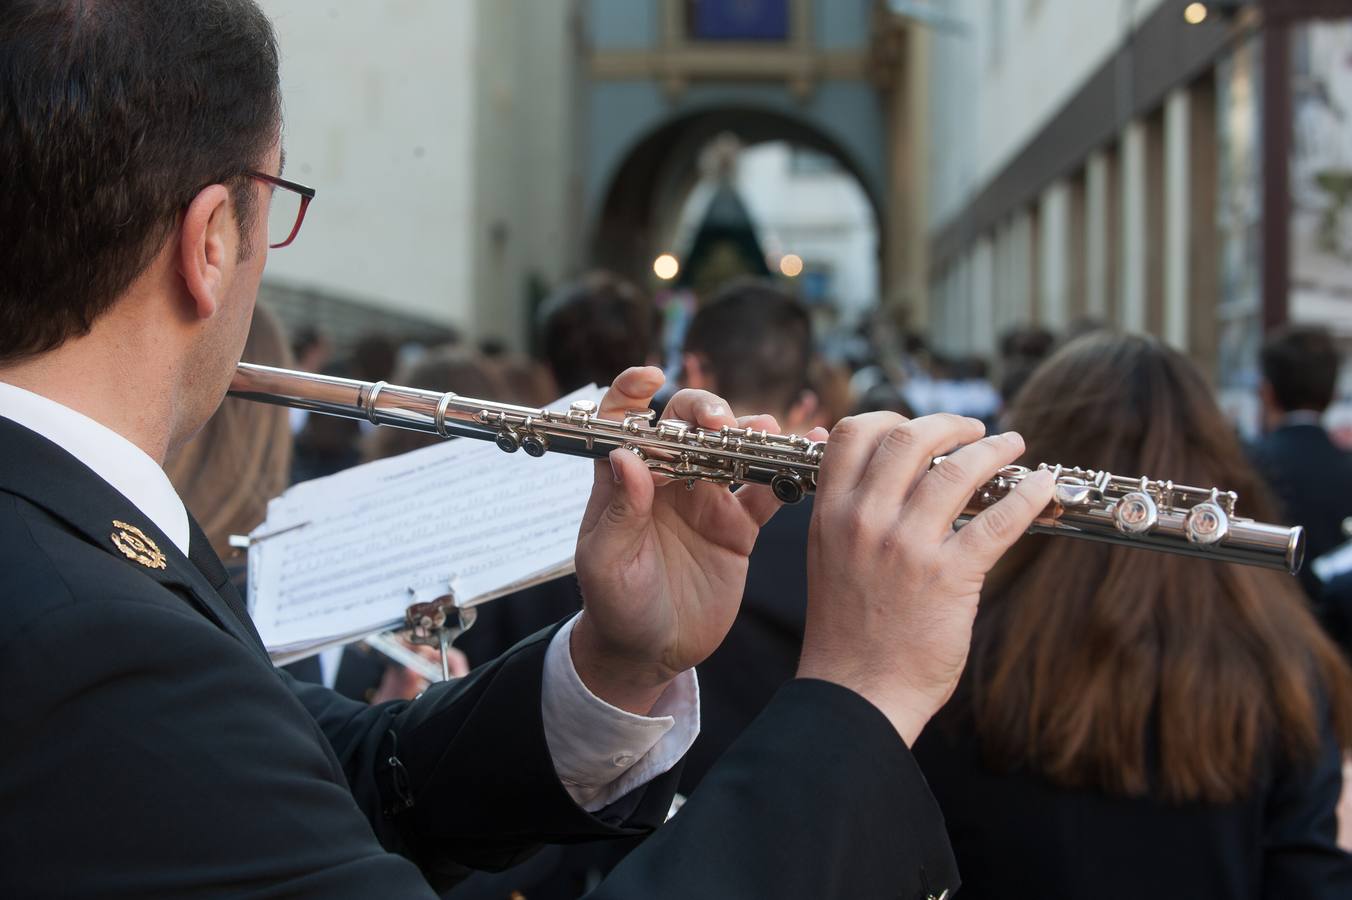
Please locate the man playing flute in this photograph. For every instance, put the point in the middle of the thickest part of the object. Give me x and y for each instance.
(151, 749)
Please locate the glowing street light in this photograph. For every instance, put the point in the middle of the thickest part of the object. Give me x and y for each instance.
(666, 266)
(791, 265)
(1195, 13)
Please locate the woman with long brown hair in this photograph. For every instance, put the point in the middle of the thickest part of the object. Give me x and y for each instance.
(1134, 724)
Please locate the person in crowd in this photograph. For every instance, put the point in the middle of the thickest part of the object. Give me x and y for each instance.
(1022, 349)
(1136, 725)
(329, 444)
(439, 369)
(241, 458)
(311, 348)
(830, 382)
(141, 148)
(226, 475)
(525, 381)
(1026, 342)
(589, 331)
(972, 392)
(593, 329)
(1310, 475)
(752, 344)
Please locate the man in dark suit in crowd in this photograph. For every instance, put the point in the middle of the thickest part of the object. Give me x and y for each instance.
(588, 331)
(150, 747)
(752, 344)
(1311, 476)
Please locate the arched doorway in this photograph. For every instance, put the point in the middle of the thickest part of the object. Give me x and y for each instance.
(641, 208)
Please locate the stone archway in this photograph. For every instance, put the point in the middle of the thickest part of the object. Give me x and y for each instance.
(641, 198)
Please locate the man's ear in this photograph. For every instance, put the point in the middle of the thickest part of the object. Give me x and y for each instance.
(206, 248)
(694, 374)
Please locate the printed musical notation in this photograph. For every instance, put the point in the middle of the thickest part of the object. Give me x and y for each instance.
(342, 557)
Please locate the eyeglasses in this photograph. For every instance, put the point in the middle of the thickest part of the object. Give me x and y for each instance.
(286, 208)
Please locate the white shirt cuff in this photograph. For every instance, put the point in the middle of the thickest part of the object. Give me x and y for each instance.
(601, 752)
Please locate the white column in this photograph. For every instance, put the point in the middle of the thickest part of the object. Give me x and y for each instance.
(1053, 245)
(1177, 220)
(1020, 310)
(983, 295)
(1096, 210)
(1132, 274)
(941, 311)
(963, 286)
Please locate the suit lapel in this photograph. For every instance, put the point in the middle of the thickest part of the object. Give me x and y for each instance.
(47, 476)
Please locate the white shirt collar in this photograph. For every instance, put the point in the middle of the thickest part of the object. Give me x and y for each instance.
(116, 460)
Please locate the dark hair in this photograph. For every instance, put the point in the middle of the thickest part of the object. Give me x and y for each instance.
(1301, 364)
(1100, 667)
(594, 329)
(113, 115)
(1026, 342)
(757, 342)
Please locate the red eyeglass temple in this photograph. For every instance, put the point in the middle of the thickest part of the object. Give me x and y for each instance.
(295, 229)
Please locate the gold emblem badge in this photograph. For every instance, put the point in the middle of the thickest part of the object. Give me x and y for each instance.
(134, 544)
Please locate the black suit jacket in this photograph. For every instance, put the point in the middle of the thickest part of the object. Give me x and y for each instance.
(1017, 836)
(150, 749)
(760, 653)
(1312, 479)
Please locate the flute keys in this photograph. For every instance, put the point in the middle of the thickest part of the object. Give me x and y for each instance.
(535, 445)
(1207, 523)
(1073, 492)
(1135, 513)
(635, 419)
(507, 441)
(673, 429)
(787, 487)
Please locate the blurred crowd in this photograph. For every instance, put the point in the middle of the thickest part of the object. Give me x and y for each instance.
(1198, 713)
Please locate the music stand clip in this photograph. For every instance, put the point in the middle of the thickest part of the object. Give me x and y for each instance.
(437, 623)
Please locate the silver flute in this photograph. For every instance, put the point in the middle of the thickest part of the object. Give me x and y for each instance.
(1100, 506)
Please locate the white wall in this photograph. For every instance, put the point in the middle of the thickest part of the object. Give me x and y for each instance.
(525, 218)
(379, 104)
(439, 136)
(995, 87)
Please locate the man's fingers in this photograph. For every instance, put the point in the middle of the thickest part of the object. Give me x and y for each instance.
(759, 502)
(850, 448)
(763, 422)
(943, 492)
(622, 493)
(700, 408)
(633, 388)
(630, 499)
(903, 454)
(757, 499)
(984, 540)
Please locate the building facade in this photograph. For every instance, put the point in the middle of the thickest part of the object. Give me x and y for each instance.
(439, 137)
(1111, 161)
(471, 156)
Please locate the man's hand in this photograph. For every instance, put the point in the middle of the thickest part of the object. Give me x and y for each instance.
(892, 588)
(662, 568)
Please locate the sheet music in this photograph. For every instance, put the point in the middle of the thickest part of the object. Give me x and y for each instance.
(342, 557)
